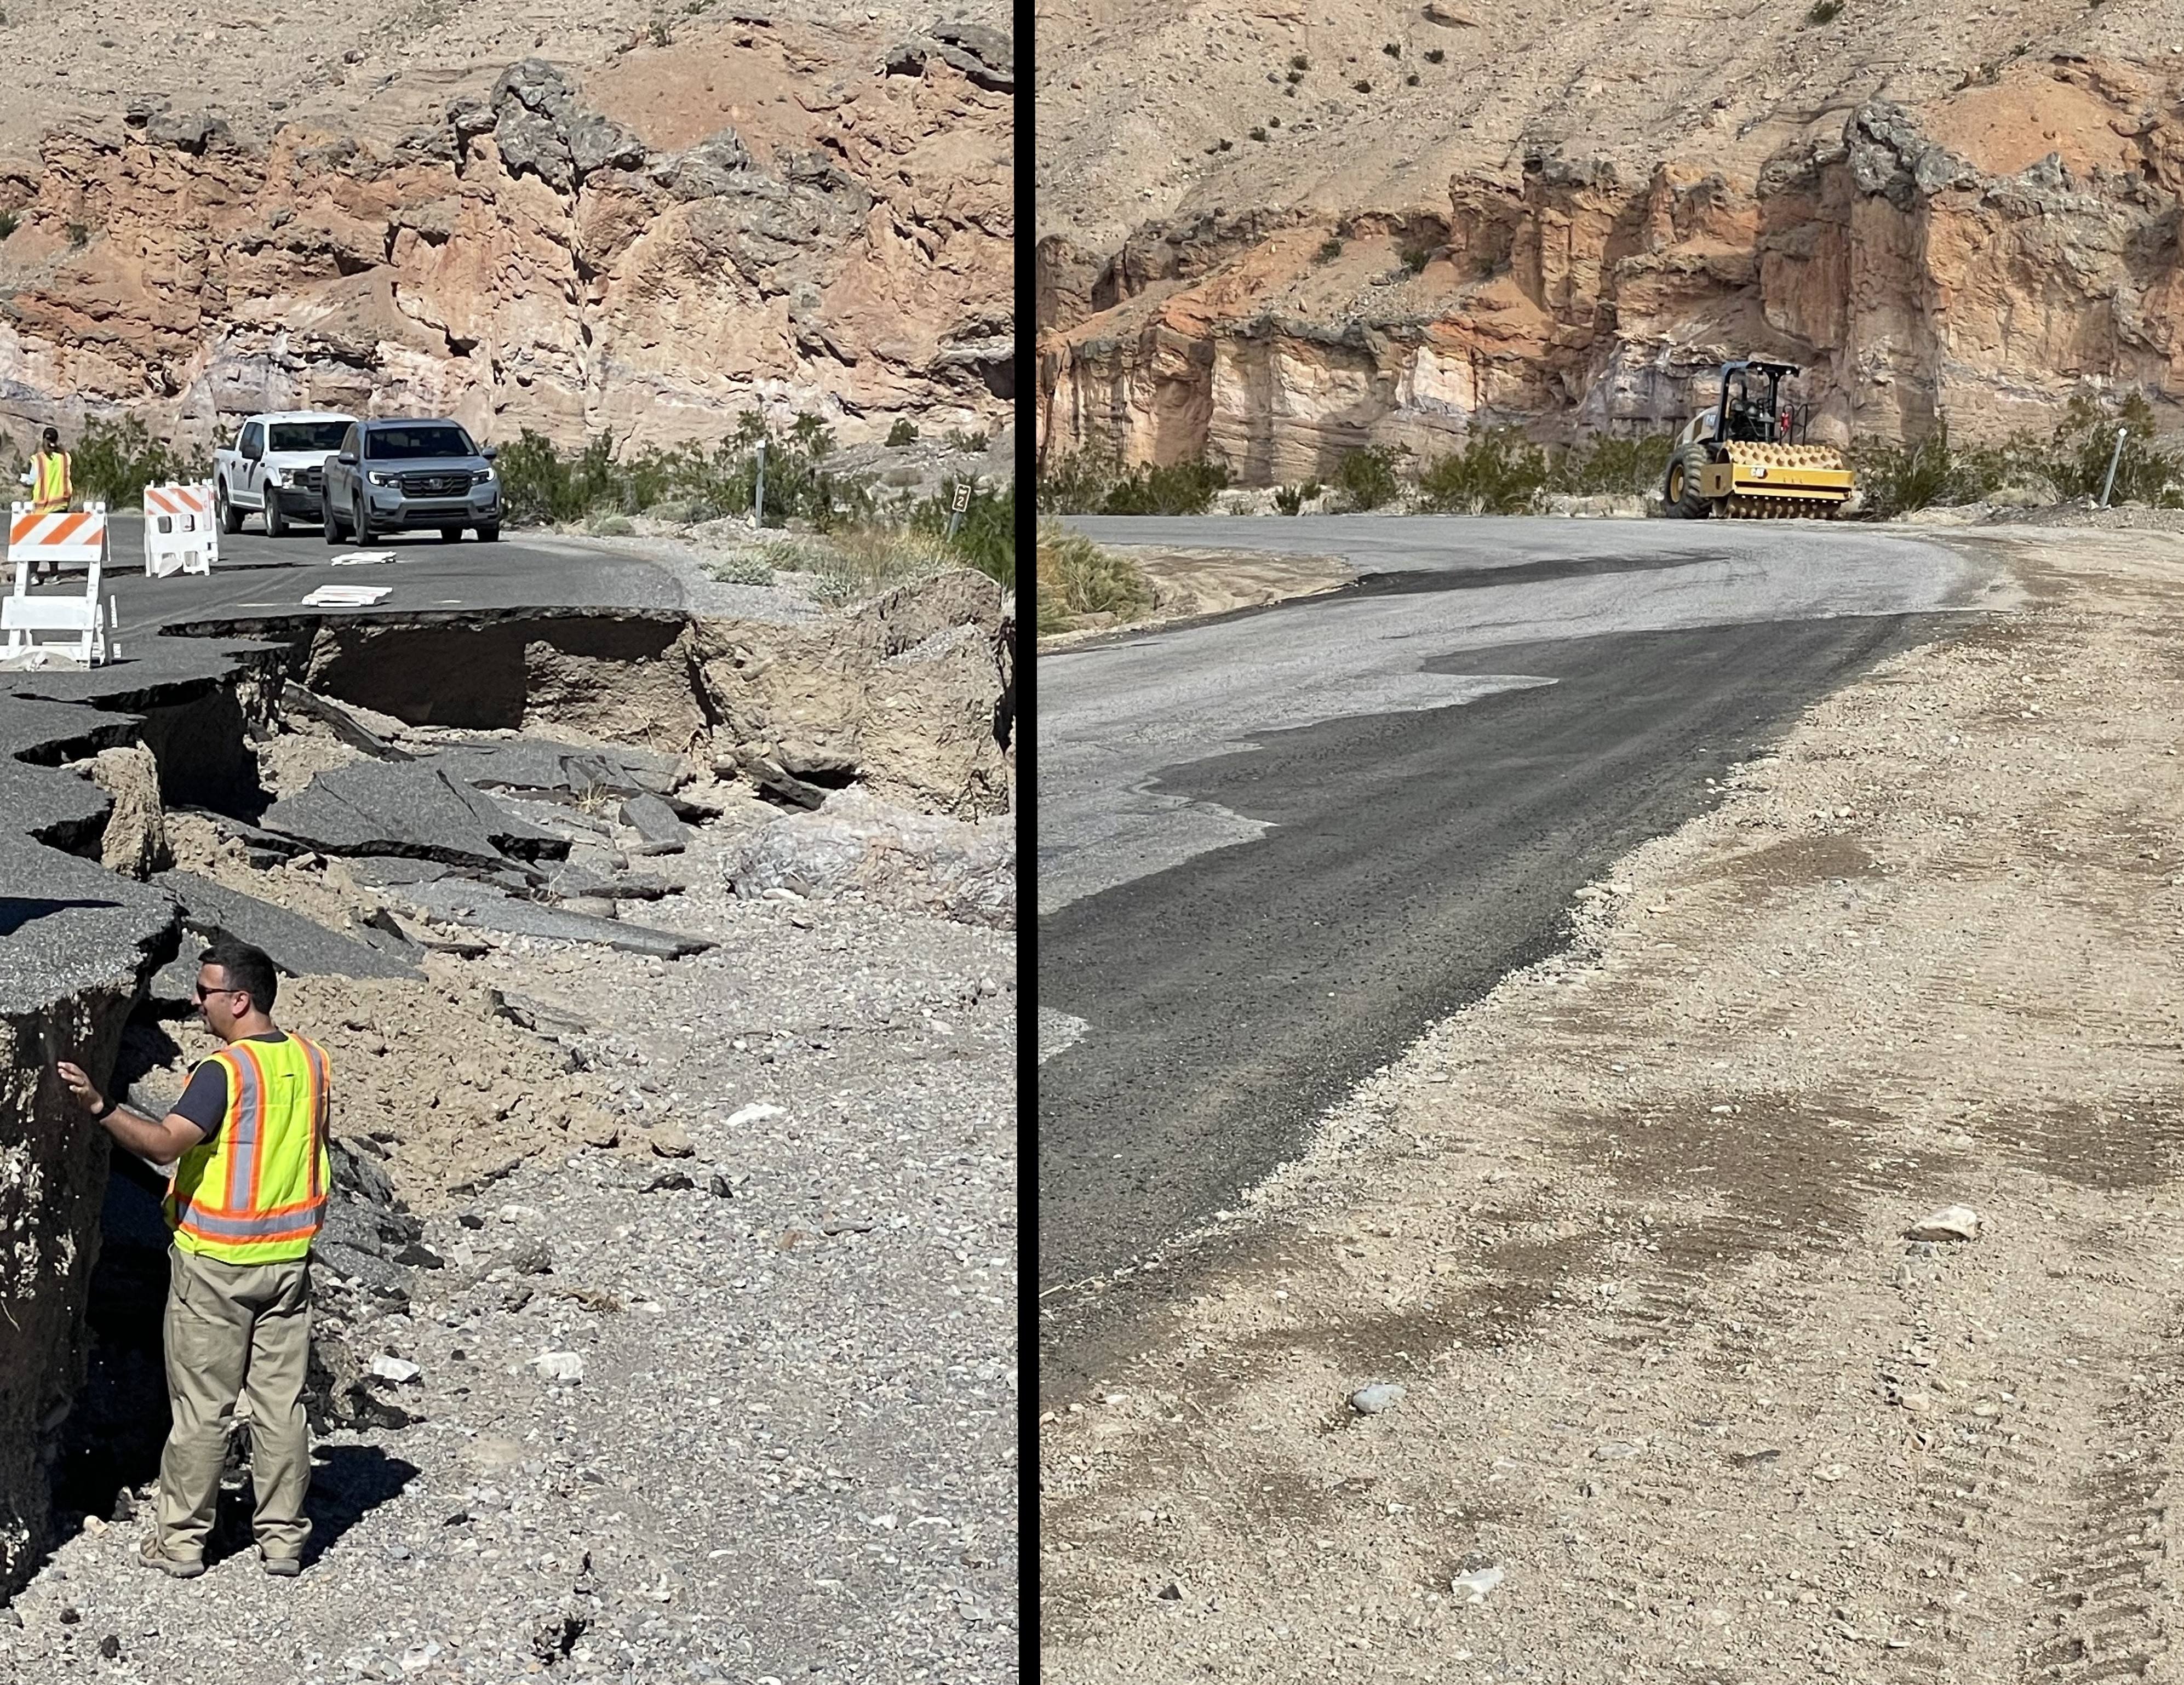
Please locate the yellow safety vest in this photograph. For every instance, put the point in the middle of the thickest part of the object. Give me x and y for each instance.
(51, 489)
(256, 1192)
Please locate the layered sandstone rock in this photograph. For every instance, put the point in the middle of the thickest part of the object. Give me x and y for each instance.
(759, 214)
(1983, 256)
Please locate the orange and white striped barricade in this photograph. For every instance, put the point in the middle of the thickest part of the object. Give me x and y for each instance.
(83, 620)
(181, 531)
(45, 541)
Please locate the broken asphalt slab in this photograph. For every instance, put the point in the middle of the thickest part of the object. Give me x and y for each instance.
(656, 823)
(483, 908)
(298, 945)
(561, 769)
(411, 807)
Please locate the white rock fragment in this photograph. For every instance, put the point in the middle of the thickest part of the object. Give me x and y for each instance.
(1473, 1587)
(565, 1367)
(757, 1114)
(400, 1370)
(1950, 1222)
(1370, 1401)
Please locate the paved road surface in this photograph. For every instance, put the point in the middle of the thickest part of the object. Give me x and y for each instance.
(258, 577)
(1273, 847)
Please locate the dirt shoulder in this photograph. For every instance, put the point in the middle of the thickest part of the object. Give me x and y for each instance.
(1189, 584)
(1630, 1235)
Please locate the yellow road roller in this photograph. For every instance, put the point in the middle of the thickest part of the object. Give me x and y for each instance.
(1748, 456)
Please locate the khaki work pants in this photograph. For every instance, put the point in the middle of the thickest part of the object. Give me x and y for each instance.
(232, 1327)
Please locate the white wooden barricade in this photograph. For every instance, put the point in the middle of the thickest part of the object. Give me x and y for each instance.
(181, 530)
(82, 619)
(44, 542)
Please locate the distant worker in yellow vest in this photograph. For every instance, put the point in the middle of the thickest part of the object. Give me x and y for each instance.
(247, 1139)
(52, 489)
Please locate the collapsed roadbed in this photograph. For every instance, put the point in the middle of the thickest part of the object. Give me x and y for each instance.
(377, 798)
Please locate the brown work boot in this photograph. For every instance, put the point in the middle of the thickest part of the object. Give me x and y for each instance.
(153, 1555)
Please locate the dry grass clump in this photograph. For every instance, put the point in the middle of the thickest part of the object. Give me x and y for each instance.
(854, 563)
(1078, 580)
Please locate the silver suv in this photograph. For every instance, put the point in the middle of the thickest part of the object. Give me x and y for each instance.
(391, 476)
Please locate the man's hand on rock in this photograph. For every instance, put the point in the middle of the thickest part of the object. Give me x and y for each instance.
(79, 1085)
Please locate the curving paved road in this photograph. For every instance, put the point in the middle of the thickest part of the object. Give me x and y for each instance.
(260, 577)
(1273, 846)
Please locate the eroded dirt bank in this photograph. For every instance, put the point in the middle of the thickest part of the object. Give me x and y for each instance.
(1631, 1236)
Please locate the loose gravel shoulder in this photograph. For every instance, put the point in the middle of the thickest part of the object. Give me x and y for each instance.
(734, 1399)
(1701, 1379)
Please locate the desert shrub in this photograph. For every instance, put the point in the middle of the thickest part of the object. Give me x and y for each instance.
(2072, 460)
(1300, 64)
(742, 569)
(1415, 258)
(543, 484)
(1368, 478)
(1077, 578)
(1612, 467)
(1329, 250)
(1076, 484)
(114, 461)
(1362, 85)
(1088, 483)
(78, 236)
(1177, 489)
(1391, 49)
(2076, 457)
(985, 538)
(1826, 12)
(1291, 500)
(1896, 477)
(855, 562)
(1258, 134)
(1412, 80)
(1499, 471)
(1434, 55)
(904, 432)
(539, 484)
(9, 222)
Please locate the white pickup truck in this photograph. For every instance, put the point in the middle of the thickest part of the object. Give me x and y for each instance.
(277, 468)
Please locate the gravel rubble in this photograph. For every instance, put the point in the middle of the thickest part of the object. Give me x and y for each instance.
(790, 1291)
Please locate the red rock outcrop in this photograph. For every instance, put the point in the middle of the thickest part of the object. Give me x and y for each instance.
(791, 217)
(1982, 257)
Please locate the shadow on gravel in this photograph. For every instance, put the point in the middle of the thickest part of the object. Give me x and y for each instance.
(349, 1482)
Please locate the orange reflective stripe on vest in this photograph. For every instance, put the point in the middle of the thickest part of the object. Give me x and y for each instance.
(256, 1192)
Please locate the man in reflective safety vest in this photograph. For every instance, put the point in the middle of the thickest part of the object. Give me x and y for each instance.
(247, 1141)
(52, 488)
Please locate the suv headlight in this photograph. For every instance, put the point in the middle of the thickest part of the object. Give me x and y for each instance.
(480, 477)
(379, 478)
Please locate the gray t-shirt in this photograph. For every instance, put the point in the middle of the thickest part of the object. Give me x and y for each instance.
(205, 1102)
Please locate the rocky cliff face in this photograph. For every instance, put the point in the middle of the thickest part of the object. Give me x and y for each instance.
(1982, 256)
(759, 214)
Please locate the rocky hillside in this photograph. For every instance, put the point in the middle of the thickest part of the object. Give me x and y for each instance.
(570, 219)
(1274, 233)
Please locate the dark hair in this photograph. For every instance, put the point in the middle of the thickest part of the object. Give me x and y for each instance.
(248, 969)
(51, 436)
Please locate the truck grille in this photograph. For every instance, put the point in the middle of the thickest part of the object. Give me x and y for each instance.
(436, 485)
(311, 479)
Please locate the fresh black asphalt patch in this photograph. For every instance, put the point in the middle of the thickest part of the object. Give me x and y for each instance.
(1415, 858)
(1419, 582)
